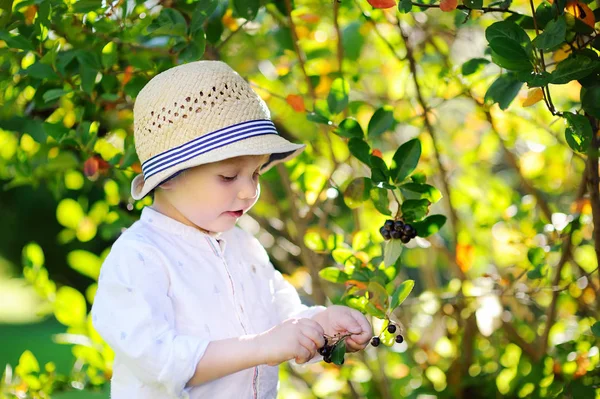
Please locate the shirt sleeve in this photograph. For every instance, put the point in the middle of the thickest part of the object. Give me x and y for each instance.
(134, 315)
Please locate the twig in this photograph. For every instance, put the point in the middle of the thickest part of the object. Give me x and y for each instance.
(463, 7)
(551, 311)
(593, 181)
(311, 89)
(431, 131)
(512, 160)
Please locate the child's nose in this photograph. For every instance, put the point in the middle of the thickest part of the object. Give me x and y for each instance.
(250, 190)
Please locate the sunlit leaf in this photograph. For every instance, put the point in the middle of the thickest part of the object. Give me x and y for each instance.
(401, 293)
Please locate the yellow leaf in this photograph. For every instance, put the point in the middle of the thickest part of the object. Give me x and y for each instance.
(534, 96)
(561, 53)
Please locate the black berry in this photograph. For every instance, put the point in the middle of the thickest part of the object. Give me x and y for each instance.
(405, 239)
(409, 231)
(391, 328)
(385, 233)
(396, 234)
(399, 225)
(389, 225)
(399, 338)
(327, 359)
(375, 341)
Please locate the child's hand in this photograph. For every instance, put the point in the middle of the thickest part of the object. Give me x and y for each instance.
(342, 320)
(293, 339)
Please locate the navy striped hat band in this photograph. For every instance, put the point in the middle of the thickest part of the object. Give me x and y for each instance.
(210, 141)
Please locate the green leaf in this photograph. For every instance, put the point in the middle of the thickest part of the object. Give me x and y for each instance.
(169, 22)
(391, 252)
(382, 120)
(361, 150)
(535, 273)
(553, 34)
(590, 100)
(318, 118)
(596, 329)
(88, 78)
(358, 303)
(85, 263)
(314, 241)
(380, 199)
(578, 132)
(19, 42)
(405, 160)
(337, 100)
(373, 311)
(430, 225)
(518, 64)
(350, 128)
(333, 274)
(41, 71)
(415, 210)
(575, 67)
(339, 351)
(401, 293)
(27, 364)
(246, 9)
(53, 94)
(202, 11)
(536, 256)
(504, 90)
(357, 192)
(425, 191)
(405, 6)
(342, 255)
(69, 307)
(508, 49)
(473, 4)
(379, 170)
(473, 65)
(509, 31)
(352, 40)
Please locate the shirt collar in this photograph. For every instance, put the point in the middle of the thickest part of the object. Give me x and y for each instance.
(189, 233)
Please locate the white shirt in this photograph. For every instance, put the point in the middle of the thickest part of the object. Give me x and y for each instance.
(166, 290)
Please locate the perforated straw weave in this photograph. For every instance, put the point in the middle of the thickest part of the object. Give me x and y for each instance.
(198, 113)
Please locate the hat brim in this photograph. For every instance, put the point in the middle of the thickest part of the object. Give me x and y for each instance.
(280, 149)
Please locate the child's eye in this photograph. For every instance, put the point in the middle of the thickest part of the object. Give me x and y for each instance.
(228, 178)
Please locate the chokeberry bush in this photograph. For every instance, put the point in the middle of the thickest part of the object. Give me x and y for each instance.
(449, 189)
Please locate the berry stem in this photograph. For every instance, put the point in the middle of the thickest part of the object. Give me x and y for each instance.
(399, 211)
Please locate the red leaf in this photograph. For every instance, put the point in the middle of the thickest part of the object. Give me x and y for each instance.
(448, 5)
(90, 167)
(382, 3)
(377, 153)
(296, 101)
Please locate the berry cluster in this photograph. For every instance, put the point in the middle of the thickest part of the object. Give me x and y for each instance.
(327, 350)
(398, 229)
(391, 328)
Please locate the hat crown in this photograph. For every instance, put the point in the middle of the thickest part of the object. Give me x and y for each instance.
(188, 101)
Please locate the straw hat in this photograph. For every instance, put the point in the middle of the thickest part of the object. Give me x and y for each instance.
(198, 113)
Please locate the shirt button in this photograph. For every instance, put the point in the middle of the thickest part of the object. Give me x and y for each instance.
(241, 309)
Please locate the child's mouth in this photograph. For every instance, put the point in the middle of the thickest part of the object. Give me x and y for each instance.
(236, 214)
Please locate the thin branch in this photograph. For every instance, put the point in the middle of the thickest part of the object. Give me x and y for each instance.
(551, 311)
(512, 160)
(432, 133)
(239, 29)
(311, 89)
(594, 181)
(463, 7)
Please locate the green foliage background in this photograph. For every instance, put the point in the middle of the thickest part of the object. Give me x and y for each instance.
(477, 123)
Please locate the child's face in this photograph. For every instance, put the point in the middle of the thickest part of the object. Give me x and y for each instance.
(207, 195)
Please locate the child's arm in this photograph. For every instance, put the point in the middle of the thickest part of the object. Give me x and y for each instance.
(293, 339)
